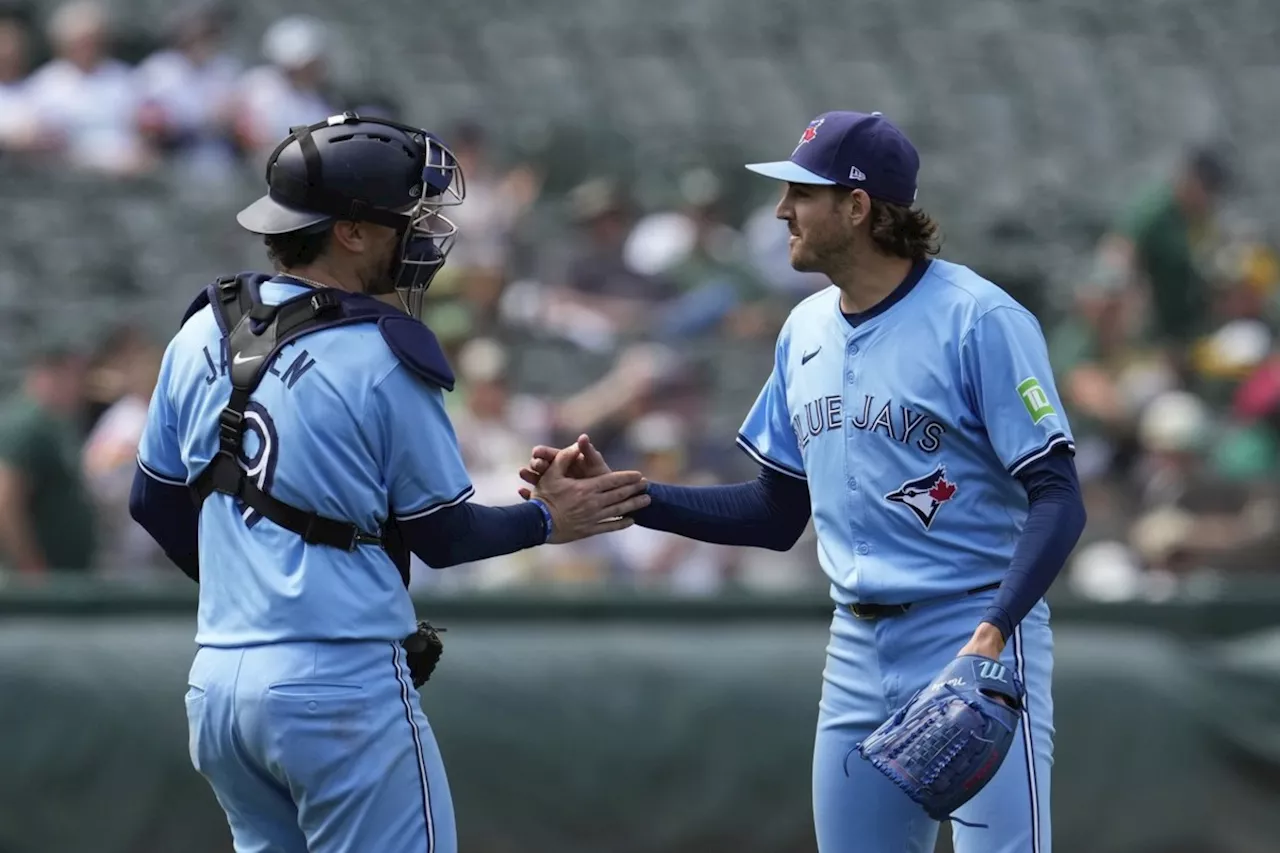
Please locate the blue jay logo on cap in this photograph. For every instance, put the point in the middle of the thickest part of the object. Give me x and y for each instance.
(810, 133)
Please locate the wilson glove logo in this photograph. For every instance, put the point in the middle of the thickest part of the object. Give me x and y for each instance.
(989, 669)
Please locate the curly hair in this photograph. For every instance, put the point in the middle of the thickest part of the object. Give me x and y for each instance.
(296, 248)
(904, 232)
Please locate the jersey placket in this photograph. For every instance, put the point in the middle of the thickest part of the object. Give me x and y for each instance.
(855, 475)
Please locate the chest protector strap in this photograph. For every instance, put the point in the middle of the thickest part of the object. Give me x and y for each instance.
(255, 334)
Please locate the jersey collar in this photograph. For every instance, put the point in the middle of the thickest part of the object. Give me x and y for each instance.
(918, 269)
(285, 278)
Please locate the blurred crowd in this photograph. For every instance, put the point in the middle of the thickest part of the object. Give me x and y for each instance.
(1164, 345)
(67, 97)
(1167, 362)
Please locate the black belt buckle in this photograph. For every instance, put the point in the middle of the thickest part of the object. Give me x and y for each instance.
(877, 611)
(881, 611)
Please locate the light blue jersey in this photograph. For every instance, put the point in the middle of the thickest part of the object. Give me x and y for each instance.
(909, 423)
(909, 428)
(338, 427)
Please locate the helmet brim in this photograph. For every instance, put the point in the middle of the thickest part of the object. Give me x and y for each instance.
(268, 216)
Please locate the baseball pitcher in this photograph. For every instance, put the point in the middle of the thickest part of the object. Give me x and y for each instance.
(911, 413)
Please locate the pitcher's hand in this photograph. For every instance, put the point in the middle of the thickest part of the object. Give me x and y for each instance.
(589, 463)
(586, 506)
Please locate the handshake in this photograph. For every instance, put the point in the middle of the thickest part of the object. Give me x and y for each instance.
(584, 497)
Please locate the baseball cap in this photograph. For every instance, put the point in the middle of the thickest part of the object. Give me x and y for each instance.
(857, 150)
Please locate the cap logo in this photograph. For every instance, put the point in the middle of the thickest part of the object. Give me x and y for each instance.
(856, 174)
(810, 133)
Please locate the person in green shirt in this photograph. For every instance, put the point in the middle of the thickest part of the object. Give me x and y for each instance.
(46, 519)
(1163, 241)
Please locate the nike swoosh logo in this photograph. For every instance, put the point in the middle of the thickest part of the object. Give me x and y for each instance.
(245, 359)
(805, 358)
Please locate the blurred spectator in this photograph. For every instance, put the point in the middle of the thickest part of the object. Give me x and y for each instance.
(497, 427)
(1174, 432)
(187, 90)
(495, 201)
(767, 250)
(46, 519)
(602, 295)
(86, 102)
(1249, 448)
(1167, 355)
(701, 255)
(291, 89)
(1191, 518)
(1105, 374)
(130, 366)
(19, 130)
(651, 558)
(1243, 288)
(1164, 242)
(469, 289)
(376, 104)
(1186, 520)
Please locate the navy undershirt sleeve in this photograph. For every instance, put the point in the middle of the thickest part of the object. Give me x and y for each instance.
(768, 512)
(466, 532)
(167, 512)
(1055, 520)
(458, 534)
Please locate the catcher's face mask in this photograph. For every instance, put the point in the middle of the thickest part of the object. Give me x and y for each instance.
(429, 234)
(367, 170)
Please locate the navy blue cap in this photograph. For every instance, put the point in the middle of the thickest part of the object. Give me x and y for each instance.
(857, 150)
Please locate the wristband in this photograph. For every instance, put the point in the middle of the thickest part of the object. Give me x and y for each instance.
(546, 516)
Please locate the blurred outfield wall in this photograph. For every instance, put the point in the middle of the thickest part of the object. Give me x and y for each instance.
(639, 725)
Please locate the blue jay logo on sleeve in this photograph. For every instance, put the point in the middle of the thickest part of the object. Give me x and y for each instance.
(924, 496)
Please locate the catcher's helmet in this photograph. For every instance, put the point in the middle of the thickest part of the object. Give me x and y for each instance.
(366, 170)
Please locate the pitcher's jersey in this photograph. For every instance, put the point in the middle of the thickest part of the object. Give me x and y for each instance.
(910, 428)
(337, 426)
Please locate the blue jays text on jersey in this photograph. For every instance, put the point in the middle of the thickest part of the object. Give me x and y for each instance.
(901, 423)
(909, 428)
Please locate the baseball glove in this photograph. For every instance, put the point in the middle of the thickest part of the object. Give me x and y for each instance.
(944, 745)
(423, 649)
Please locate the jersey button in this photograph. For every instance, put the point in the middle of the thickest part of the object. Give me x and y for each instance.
(853, 349)
(852, 376)
(853, 484)
(864, 548)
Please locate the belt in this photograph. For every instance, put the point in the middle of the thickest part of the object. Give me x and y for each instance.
(884, 611)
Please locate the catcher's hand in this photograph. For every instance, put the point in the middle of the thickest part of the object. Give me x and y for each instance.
(423, 649)
(944, 745)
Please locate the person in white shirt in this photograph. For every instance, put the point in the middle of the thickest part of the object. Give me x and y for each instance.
(84, 98)
(291, 89)
(186, 91)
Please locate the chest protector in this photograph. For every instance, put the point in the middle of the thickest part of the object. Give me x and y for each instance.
(255, 333)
